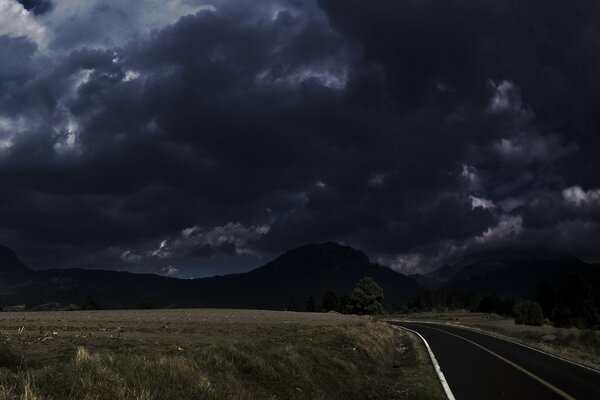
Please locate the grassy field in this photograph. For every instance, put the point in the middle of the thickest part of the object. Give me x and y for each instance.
(578, 345)
(209, 354)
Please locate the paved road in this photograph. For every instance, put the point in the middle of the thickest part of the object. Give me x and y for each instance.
(481, 367)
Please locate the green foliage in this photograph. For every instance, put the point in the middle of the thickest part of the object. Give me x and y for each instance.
(366, 298)
(570, 304)
(330, 302)
(528, 313)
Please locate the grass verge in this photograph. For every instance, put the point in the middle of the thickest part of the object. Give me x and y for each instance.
(369, 360)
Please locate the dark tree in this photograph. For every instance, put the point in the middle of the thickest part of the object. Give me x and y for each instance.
(571, 304)
(344, 302)
(292, 306)
(496, 305)
(90, 304)
(366, 298)
(310, 305)
(330, 301)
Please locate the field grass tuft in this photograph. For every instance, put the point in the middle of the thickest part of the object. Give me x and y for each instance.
(362, 359)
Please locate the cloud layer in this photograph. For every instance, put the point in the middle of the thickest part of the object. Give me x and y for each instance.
(200, 137)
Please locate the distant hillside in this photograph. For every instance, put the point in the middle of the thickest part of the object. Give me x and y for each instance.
(306, 271)
(437, 278)
(12, 270)
(290, 278)
(520, 278)
(310, 271)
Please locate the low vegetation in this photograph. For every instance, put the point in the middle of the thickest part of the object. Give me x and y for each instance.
(528, 313)
(295, 357)
(567, 303)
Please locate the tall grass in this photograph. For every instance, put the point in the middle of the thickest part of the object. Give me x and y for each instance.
(352, 362)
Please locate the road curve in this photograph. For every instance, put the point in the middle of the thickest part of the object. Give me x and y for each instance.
(479, 366)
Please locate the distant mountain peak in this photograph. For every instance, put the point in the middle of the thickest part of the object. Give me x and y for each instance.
(560, 257)
(318, 257)
(11, 268)
(328, 250)
(7, 256)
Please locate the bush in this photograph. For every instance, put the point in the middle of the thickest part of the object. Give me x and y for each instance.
(366, 298)
(528, 313)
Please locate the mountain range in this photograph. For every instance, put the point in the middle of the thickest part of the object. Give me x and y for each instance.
(293, 277)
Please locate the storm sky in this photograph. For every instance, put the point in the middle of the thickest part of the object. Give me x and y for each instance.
(192, 137)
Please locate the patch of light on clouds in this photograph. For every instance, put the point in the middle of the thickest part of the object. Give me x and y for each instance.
(511, 203)
(155, 14)
(376, 180)
(408, 263)
(9, 127)
(507, 148)
(509, 225)
(470, 175)
(575, 195)
(275, 10)
(131, 75)
(320, 184)
(231, 233)
(5, 143)
(16, 21)
(82, 77)
(67, 141)
(129, 256)
(333, 79)
(169, 271)
(162, 251)
(6, 133)
(506, 97)
(529, 147)
(479, 202)
(236, 234)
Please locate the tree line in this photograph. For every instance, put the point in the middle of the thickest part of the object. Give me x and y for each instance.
(366, 299)
(567, 303)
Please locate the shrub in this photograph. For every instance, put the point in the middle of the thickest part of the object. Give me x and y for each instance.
(528, 313)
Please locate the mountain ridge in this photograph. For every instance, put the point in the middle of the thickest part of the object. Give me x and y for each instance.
(293, 277)
(306, 271)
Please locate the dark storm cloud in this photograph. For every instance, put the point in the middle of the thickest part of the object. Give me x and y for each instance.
(418, 131)
(37, 6)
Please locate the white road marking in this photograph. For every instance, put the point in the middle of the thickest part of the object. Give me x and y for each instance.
(436, 366)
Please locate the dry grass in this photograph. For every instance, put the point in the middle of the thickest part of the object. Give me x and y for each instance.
(263, 356)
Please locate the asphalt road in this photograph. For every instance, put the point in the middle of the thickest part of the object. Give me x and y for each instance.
(481, 367)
